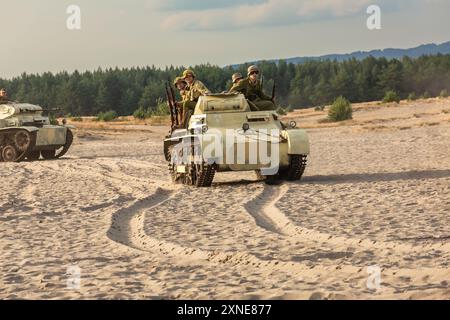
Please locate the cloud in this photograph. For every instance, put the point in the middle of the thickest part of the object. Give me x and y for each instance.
(257, 13)
(208, 15)
(197, 5)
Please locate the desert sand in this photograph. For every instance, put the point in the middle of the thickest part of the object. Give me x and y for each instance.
(375, 194)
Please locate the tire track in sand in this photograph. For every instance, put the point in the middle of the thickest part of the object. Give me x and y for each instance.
(127, 228)
(266, 214)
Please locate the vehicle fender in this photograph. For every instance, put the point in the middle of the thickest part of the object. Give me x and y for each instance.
(298, 141)
(29, 129)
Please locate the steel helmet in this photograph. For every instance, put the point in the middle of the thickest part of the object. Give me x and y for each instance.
(236, 77)
(188, 72)
(252, 69)
(178, 80)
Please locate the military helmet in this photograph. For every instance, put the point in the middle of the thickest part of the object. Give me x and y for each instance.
(178, 80)
(236, 77)
(252, 69)
(188, 72)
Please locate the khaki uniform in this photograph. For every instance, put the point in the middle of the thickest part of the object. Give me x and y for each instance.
(184, 94)
(195, 91)
(180, 104)
(254, 93)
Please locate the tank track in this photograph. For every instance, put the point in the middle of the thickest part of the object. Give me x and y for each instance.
(205, 175)
(294, 172)
(6, 140)
(198, 175)
(171, 166)
(69, 141)
(296, 168)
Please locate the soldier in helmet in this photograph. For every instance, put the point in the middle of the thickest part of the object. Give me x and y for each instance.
(183, 88)
(235, 78)
(252, 89)
(3, 95)
(196, 89)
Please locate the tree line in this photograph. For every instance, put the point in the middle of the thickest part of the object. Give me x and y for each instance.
(312, 83)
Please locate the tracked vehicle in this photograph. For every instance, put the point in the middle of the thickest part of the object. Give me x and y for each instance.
(26, 134)
(223, 134)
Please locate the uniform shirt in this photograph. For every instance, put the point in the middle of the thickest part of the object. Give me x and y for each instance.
(196, 89)
(251, 91)
(184, 94)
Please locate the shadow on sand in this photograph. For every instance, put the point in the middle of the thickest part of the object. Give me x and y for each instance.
(376, 177)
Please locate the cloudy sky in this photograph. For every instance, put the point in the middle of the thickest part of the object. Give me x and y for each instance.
(179, 32)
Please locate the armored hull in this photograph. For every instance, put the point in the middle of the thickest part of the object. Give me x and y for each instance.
(223, 134)
(26, 134)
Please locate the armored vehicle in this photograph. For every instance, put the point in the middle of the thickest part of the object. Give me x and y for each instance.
(26, 134)
(223, 134)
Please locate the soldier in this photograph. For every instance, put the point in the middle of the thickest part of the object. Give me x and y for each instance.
(3, 95)
(252, 89)
(183, 88)
(235, 78)
(196, 89)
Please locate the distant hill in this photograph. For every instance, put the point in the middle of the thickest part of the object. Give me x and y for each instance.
(426, 49)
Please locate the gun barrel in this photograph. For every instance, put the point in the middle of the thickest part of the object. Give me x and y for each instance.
(169, 103)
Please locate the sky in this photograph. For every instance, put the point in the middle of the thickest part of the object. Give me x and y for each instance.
(185, 33)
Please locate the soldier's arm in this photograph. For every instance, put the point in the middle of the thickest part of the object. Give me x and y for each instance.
(202, 88)
(238, 87)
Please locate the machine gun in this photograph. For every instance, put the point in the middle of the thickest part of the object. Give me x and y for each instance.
(171, 102)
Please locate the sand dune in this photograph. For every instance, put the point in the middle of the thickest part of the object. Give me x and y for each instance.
(376, 193)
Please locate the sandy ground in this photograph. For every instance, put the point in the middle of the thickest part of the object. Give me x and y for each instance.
(376, 194)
